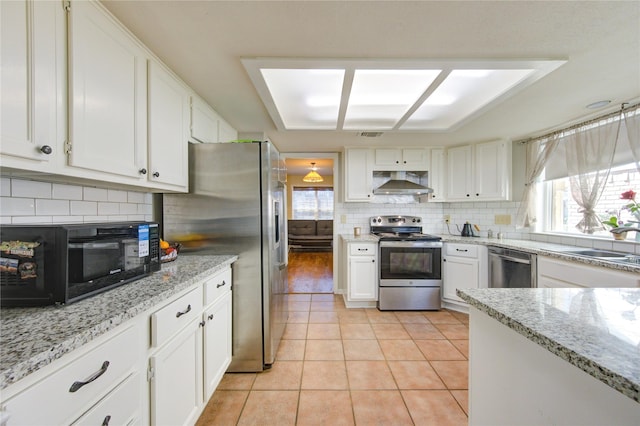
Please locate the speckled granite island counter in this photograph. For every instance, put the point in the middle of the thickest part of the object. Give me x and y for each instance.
(554, 356)
(34, 337)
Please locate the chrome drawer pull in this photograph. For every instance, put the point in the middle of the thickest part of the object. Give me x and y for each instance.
(106, 421)
(220, 285)
(77, 385)
(186, 311)
(210, 317)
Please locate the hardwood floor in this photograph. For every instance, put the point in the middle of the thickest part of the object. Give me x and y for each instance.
(310, 272)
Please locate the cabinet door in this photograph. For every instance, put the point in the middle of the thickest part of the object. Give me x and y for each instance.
(204, 122)
(437, 175)
(388, 159)
(29, 78)
(108, 94)
(362, 278)
(491, 181)
(176, 385)
(459, 173)
(226, 133)
(459, 273)
(217, 343)
(415, 159)
(168, 128)
(358, 174)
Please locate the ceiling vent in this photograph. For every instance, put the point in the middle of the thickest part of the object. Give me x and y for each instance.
(370, 134)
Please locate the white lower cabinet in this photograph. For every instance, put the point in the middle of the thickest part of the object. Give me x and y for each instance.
(192, 335)
(101, 381)
(217, 343)
(556, 273)
(463, 266)
(176, 382)
(361, 273)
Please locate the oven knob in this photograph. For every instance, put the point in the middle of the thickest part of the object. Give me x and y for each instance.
(418, 220)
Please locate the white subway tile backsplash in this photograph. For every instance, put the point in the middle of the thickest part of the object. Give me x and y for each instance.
(66, 192)
(52, 207)
(115, 195)
(106, 209)
(26, 220)
(95, 194)
(47, 202)
(17, 206)
(5, 187)
(135, 197)
(127, 208)
(84, 208)
(30, 188)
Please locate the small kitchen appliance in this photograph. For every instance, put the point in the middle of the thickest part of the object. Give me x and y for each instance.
(409, 274)
(60, 264)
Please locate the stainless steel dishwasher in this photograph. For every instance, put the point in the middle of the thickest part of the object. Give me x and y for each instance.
(511, 268)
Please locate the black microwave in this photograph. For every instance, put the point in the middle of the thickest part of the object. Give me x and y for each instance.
(60, 264)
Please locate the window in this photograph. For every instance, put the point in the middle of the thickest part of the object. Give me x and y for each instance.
(312, 203)
(562, 213)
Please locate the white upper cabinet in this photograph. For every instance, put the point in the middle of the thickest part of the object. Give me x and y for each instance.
(407, 159)
(108, 94)
(204, 121)
(358, 182)
(207, 126)
(168, 128)
(437, 176)
(32, 37)
(479, 172)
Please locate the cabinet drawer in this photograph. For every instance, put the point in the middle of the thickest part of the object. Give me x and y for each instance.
(362, 249)
(216, 286)
(177, 314)
(120, 407)
(462, 250)
(51, 401)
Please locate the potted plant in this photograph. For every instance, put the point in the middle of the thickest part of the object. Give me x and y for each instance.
(619, 228)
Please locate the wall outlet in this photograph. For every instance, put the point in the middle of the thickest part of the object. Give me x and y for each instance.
(502, 219)
(447, 218)
(343, 218)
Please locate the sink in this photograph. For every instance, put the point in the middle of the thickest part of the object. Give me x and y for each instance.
(596, 253)
(614, 256)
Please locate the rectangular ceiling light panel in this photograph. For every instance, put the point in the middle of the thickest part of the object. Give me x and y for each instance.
(380, 98)
(461, 94)
(306, 98)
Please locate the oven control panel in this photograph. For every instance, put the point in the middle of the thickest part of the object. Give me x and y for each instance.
(395, 220)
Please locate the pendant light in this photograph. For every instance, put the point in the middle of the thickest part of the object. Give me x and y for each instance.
(313, 176)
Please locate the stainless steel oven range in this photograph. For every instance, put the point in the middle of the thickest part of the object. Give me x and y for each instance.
(409, 275)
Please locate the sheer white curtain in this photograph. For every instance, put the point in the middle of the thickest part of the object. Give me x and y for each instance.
(632, 124)
(537, 155)
(589, 154)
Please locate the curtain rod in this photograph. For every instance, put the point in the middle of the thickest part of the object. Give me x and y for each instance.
(622, 109)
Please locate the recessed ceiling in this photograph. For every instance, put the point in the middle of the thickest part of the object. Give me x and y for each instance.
(416, 95)
(204, 42)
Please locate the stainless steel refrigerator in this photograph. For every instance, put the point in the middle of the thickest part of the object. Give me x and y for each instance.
(236, 205)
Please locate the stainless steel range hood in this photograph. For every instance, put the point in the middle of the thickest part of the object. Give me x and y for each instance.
(399, 184)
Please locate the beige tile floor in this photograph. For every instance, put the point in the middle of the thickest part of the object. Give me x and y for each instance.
(338, 366)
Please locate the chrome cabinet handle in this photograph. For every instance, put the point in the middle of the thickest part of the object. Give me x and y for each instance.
(156, 174)
(220, 285)
(202, 323)
(186, 311)
(142, 171)
(465, 250)
(363, 249)
(106, 421)
(77, 385)
(210, 317)
(46, 149)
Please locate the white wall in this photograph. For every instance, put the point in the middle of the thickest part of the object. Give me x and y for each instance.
(29, 201)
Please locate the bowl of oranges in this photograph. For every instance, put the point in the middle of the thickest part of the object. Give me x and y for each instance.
(168, 251)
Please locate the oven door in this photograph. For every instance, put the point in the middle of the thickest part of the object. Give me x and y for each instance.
(410, 263)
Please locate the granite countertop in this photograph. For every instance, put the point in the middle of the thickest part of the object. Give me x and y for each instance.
(34, 337)
(595, 329)
(557, 251)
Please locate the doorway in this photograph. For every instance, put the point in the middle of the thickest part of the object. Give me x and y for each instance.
(310, 216)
